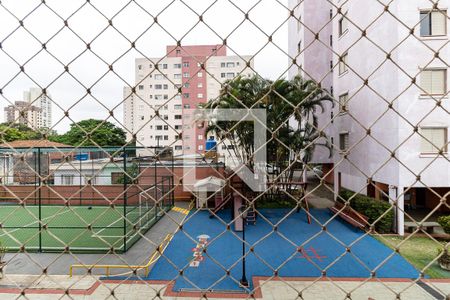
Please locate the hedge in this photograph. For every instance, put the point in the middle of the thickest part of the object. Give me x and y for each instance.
(444, 221)
(372, 208)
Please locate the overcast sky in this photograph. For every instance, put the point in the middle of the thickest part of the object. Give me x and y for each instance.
(177, 21)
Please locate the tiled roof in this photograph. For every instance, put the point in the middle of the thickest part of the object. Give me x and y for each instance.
(32, 144)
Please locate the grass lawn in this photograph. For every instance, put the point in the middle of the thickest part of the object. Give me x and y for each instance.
(419, 251)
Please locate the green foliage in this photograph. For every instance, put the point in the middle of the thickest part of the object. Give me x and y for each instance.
(132, 173)
(286, 102)
(276, 202)
(444, 221)
(10, 132)
(372, 208)
(92, 132)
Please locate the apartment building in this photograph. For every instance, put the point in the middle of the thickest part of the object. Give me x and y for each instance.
(41, 100)
(184, 78)
(34, 111)
(22, 112)
(391, 124)
(312, 58)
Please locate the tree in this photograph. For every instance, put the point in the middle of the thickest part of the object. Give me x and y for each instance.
(10, 132)
(92, 132)
(291, 107)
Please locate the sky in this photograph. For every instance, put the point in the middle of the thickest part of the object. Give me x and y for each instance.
(131, 21)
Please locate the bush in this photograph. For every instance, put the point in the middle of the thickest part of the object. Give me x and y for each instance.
(372, 208)
(444, 221)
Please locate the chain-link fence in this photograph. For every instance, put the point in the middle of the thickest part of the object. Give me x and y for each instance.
(225, 149)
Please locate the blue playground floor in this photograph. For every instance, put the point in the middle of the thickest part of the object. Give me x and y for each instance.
(272, 250)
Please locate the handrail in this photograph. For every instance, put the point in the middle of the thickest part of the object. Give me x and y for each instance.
(146, 267)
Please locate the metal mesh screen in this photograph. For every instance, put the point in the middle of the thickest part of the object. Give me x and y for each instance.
(225, 149)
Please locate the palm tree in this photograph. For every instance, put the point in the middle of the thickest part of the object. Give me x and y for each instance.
(292, 107)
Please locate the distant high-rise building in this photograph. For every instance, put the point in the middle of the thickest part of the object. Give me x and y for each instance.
(22, 112)
(35, 97)
(186, 77)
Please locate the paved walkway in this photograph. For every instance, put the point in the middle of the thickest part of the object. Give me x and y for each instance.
(59, 264)
(89, 287)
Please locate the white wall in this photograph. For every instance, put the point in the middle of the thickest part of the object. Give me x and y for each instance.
(391, 129)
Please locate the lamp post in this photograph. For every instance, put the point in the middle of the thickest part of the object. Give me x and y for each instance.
(243, 213)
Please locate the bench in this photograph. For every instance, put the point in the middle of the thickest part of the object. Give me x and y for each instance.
(427, 226)
(350, 215)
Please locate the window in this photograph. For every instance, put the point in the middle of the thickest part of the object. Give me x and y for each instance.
(178, 127)
(199, 85)
(177, 106)
(158, 97)
(434, 82)
(176, 76)
(159, 76)
(433, 23)
(166, 137)
(343, 64)
(186, 64)
(343, 25)
(433, 140)
(223, 65)
(166, 86)
(331, 40)
(67, 179)
(166, 127)
(230, 75)
(177, 66)
(200, 147)
(177, 117)
(200, 96)
(186, 95)
(162, 66)
(141, 87)
(187, 106)
(200, 137)
(186, 75)
(343, 141)
(200, 74)
(223, 75)
(231, 65)
(178, 148)
(158, 86)
(140, 67)
(178, 52)
(343, 103)
(159, 127)
(187, 85)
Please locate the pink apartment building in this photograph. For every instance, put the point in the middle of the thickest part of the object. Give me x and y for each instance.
(185, 77)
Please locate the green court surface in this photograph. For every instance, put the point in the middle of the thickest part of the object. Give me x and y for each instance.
(81, 228)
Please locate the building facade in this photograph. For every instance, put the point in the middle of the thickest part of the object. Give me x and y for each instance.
(312, 58)
(184, 78)
(22, 112)
(34, 111)
(35, 97)
(392, 115)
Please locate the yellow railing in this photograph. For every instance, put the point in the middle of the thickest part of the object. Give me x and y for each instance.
(135, 268)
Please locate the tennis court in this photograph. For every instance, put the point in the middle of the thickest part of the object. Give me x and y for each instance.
(82, 228)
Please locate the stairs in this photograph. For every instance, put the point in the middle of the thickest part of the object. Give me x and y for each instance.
(251, 217)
